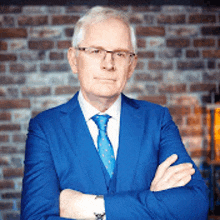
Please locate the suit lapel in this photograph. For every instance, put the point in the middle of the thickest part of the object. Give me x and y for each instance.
(131, 129)
(81, 142)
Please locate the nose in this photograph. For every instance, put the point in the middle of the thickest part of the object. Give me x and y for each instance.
(108, 62)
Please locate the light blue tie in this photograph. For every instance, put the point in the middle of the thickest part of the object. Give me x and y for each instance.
(104, 145)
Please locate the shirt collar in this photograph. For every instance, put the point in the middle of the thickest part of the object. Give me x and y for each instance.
(89, 111)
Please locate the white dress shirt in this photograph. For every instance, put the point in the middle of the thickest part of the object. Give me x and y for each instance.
(113, 125)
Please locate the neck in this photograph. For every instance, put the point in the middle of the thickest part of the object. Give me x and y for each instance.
(100, 103)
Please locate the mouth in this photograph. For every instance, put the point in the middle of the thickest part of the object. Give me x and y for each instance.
(105, 79)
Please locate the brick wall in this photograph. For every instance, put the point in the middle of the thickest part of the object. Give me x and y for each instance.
(178, 49)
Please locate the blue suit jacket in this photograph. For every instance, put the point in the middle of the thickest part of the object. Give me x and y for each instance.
(60, 154)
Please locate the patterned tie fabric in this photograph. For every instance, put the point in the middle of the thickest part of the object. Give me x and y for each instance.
(104, 145)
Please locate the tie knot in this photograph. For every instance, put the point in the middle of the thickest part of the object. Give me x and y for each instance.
(101, 121)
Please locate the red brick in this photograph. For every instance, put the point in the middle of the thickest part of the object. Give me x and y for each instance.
(211, 30)
(170, 53)
(19, 138)
(159, 65)
(5, 80)
(5, 116)
(150, 31)
(4, 138)
(158, 77)
(178, 120)
(136, 18)
(33, 55)
(3, 161)
(9, 127)
(14, 103)
(66, 90)
(178, 43)
(191, 131)
(200, 110)
(64, 19)
(140, 66)
(211, 53)
(11, 195)
(7, 150)
(202, 87)
(134, 89)
(178, 88)
(2, 68)
(200, 18)
(64, 44)
(151, 8)
(147, 54)
(198, 153)
(7, 21)
(171, 19)
(32, 20)
(5, 205)
(54, 67)
(56, 56)
(149, 19)
(41, 45)
(13, 172)
(204, 42)
(179, 110)
(22, 68)
(8, 57)
(40, 91)
(13, 33)
(6, 184)
(194, 120)
(190, 65)
(69, 32)
(76, 8)
(211, 76)
(192, 53)
(10, 9)
(141, 43)
(3, 45)
(211, 64)
(158, 99)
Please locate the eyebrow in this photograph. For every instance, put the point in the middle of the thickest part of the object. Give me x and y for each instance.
(116, 50)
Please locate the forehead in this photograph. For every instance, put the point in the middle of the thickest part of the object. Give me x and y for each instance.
(110, 34)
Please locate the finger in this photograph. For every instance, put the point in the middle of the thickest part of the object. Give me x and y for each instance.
(162, 168)
(178, 171)
(169, 161)
(183, 181)
(178, 177)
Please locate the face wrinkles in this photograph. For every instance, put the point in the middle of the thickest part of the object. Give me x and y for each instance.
(104, 78)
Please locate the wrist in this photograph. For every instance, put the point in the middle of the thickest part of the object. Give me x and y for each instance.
(99, 207)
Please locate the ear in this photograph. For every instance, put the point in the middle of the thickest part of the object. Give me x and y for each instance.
(132, 66)
(71, 55)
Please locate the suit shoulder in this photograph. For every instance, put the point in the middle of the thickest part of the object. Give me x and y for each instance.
(52, 113)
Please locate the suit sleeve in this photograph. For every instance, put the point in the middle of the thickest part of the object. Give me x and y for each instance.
(187, 202)
(40, 193)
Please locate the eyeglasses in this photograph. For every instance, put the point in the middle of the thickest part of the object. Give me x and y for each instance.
(117, 56)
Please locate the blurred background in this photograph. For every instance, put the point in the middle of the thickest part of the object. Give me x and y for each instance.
(179, 67)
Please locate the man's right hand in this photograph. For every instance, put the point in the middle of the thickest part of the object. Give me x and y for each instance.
(168, 176)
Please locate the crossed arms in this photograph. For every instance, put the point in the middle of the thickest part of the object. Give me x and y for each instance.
(76, 205)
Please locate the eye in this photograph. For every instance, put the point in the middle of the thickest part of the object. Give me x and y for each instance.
(95, 51)
(120, 54)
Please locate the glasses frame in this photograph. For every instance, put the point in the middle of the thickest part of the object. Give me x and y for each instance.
(85, 49)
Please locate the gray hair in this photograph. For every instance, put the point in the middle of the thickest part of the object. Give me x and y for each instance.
(95, 15)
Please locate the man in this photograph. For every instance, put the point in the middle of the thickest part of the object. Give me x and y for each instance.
(102, 155)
